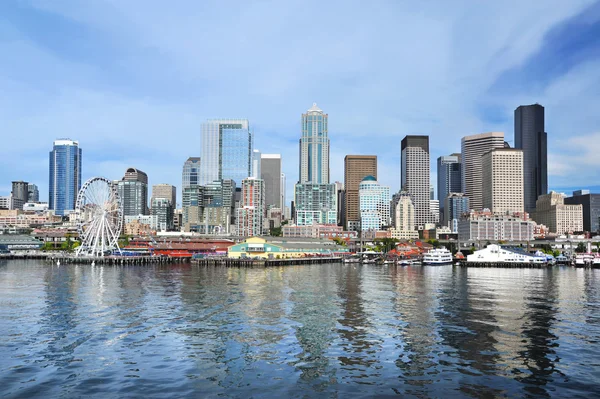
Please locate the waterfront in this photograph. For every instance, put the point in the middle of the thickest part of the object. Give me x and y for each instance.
(317, 331)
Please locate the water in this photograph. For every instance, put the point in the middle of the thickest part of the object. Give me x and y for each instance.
(308, 331)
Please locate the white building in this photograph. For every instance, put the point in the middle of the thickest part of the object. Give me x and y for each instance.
(484, 226)
(434, 208)
(502, 184)
(472, 149)
(552, 212)
(415, 176)
(374, 204)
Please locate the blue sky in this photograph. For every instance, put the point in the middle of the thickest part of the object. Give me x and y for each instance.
(134, 80)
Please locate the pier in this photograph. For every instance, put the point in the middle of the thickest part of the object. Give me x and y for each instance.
(227, 262)
(97, 260)
(506, 265)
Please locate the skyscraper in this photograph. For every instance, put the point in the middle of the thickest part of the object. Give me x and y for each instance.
(256, 164)
(531, 137)
(250, 214)
(404, 212)
(227, 148)
(449, 169)
(415, 175)
(133, 190)
(20, 193)
(472, 149)
(65, 176)
(166, 191)
(314, 147)
(356, 168)
(33, 194)
(315, 203)
(374, 204)
(455, 204)
(502, 180)
(270, 172)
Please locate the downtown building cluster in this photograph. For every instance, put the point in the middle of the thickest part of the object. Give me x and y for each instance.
(486, 191)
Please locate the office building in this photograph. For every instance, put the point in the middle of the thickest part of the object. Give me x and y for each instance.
(250, 214)
(65, 176)
(133, 190)
(591, 209)
(33, 194)
(270, 172)
(404, 212)
(166, 191)
(356, 168)
(482, 227)
(315, 203)
(162, 209)
(282, 185)
(192, 208)
(531, 137)
(374, 205)
(455, 205)
(191, 173)
(449, 179)
(341, 201)
(415, 176)
(472, 149)
(314, 147)
(551, 211)
(256, 164)
(227, 150)
(218, 207)
(502, 180)
(19, 193)
(434, 208)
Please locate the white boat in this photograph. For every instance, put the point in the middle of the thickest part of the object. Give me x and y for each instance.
(437, 256)
(496, 254)
(596, 261)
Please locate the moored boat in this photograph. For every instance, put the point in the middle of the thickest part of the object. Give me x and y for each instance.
(437, 256)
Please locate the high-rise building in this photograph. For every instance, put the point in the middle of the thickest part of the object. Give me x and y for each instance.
(192, 207)
(218, 203)
(191, 173)
(415, 175)
(531, 137)
(65, 176)
(551, 211)
(33, 193)
(456, 205)
(356, 168)
(270, 172)
(250, 214)
(374, 204)
(404, 212)
(449, 179)
(283, 191)
(133, 190)
(434, 208)
(227, 150)
(162, 209)
(472, 149)
(256, 164)
(591, 209)
(314, 147)
(315, 203)
(166, 191)
(502, 180)
(20, 192)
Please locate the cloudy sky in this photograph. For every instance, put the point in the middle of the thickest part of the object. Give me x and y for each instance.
(133, 80)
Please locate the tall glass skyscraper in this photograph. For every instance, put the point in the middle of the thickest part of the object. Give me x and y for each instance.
(65, 176)
(531, 137)
(227, 150)
(449, 179)
(314, 147)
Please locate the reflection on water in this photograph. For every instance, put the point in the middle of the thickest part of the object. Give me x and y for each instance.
(328, 330)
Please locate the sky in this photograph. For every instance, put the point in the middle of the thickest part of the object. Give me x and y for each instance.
(133, 80)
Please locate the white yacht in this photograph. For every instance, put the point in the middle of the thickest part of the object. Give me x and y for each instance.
(437, 256)
(496, 254)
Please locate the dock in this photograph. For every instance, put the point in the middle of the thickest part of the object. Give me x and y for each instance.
(227, 262)
(506, 265)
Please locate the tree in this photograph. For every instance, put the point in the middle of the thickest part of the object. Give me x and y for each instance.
(434, 242)
(340, 241)
(276, 232)
(580, 248)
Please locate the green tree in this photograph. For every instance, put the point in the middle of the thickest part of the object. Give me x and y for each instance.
(340, 241)
(433, 242)
(276, 232)
(580, 248)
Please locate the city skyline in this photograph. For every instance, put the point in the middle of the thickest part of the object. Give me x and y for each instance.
(121, 99)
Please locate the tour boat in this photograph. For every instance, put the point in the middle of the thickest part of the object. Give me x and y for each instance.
(437, 256)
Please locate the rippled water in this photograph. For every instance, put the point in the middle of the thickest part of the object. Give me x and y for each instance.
(305, 331)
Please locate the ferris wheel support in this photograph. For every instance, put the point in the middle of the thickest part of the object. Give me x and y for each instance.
(99, 215)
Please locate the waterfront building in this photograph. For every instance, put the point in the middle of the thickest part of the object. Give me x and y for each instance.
(227, 150)
(250, 214)
(133, 190)
(591, 209)
(37, 207)
(314, 147)
(449, 179)
(551, 211)
(33, 193)
(278, 248)
(270, 172)
(415, 176)
(315, 203)
(65, 176)
(472, 149)
(162, 208)
(531, 137)
(502, 180)
(456, 205)
(356, 168)
(166, 191)
(322, 231)
(374, 204)
(485, 226)
(135, 225)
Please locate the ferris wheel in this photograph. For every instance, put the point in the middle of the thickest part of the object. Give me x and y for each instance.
(99, 217)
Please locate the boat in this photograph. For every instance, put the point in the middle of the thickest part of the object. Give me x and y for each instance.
(351, 259)
(596, 262)
(499, 254)
(437, 256)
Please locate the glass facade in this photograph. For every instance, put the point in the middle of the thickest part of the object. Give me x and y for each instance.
(449, 179)
(65, 176)
(191, 173)
(314, 147)
(374, 201)
(315, 203)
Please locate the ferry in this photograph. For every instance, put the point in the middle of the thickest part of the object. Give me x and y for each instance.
(437, 256)
(496, 254)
